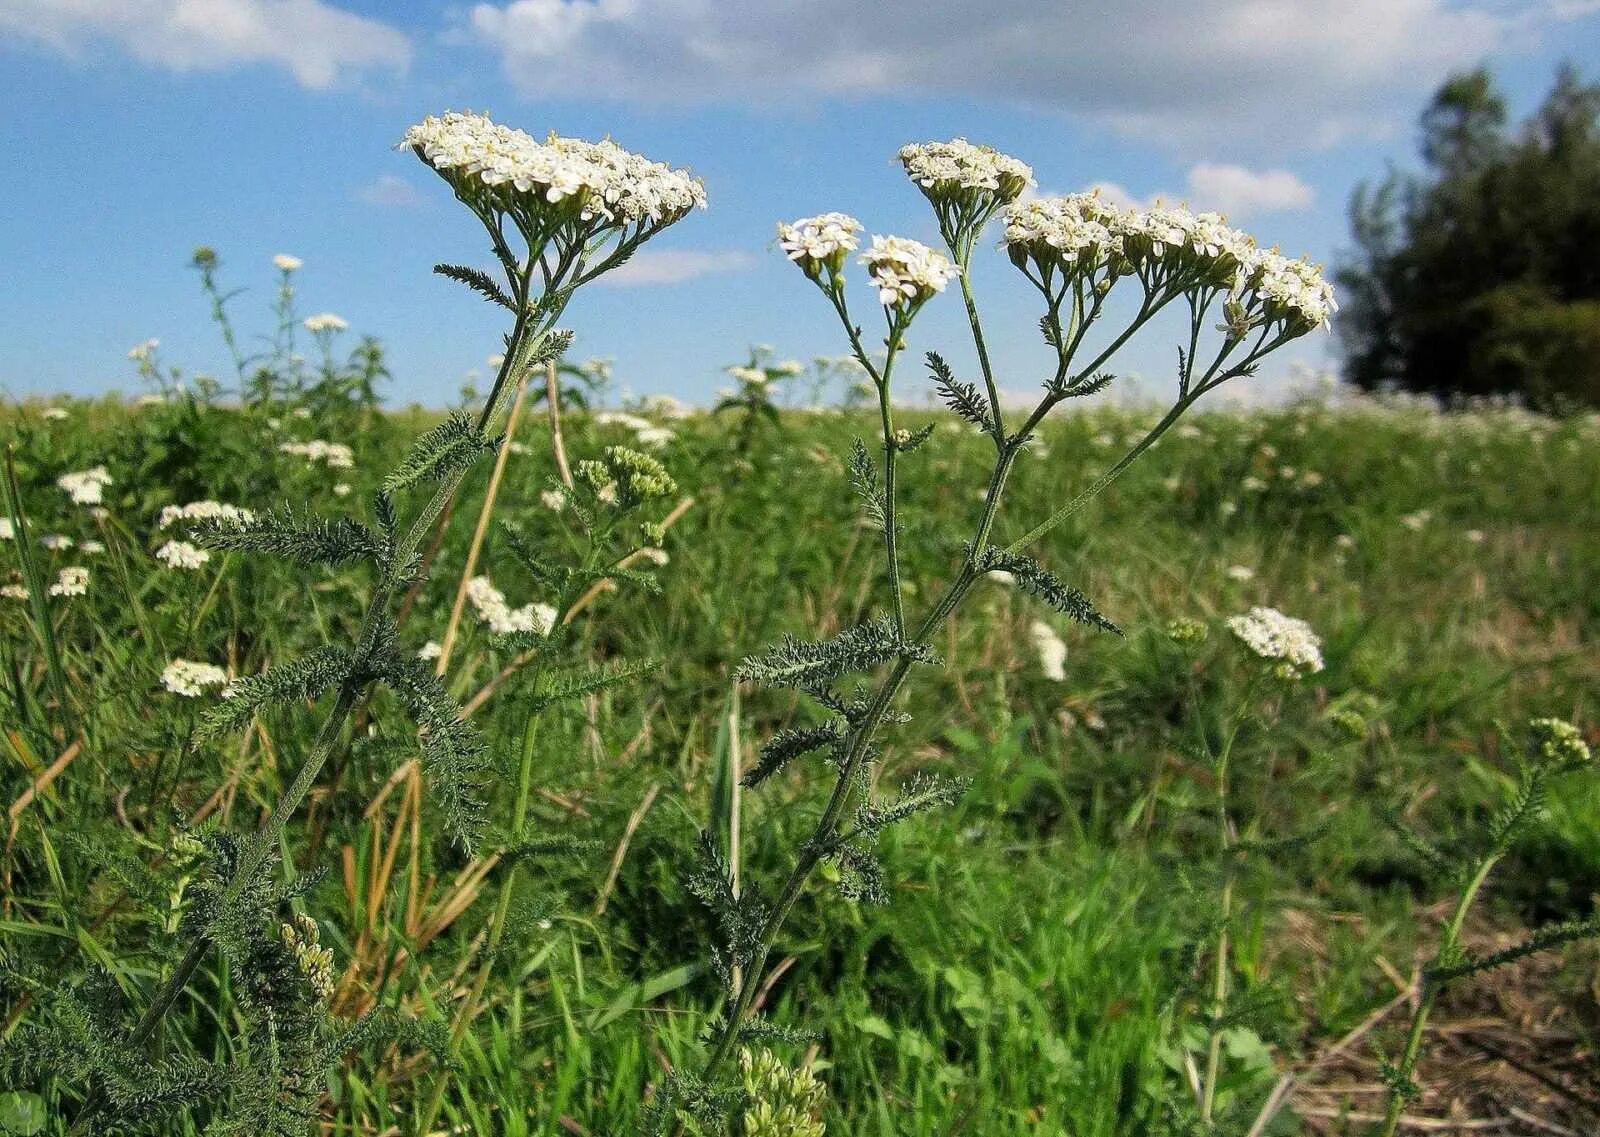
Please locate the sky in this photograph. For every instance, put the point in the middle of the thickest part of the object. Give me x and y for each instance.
(138, 129)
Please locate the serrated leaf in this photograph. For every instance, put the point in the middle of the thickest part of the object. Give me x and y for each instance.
(479, 281)
(963, 398)
(1039, 582)
(304, 541)
(441, 452)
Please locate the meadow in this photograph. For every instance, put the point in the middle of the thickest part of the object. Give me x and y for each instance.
(1026, 974)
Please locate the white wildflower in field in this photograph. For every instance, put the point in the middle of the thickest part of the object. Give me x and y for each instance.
(86, 487)
(1278, 638)
(189, 679)
(553, 500)
(337, 455)
(141, 352)
(755, 375)
(906, 271)
(789, 367)
(56, 542)
(325, 322)
(654, 436)
(1253, 484)
(490, 604)
(959, 169)
(286, 262)
(1241, 572)
(819, 242)
(1345, 541)
(182, 555)
(1291, 290)
(71, 581)
(7, 532)
(343, 489)
(55, 414)
(92, 547)
(1474, 536)
(1416, 521)
(1228, 508)
(430, 650)
(1052, 651)
(14, 591)
(596, 180)
(202, 511)
(1002, 576)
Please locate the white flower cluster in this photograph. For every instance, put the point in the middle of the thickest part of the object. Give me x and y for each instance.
(141, 352)
(202, 511)
(286, 262)
(606, 181)
(1275, 637)
(182, 555)
(1052, 651)
(7, 532)
(13, 591)
(959, 167)
(71, 581)
(903, 270)
(1083, 234)
(490, 604)
(189, 679)
(750, 376)
(645, 432)
(336, 454)
(56, 542)
(86, 487)
(821, 240)
(325, 322)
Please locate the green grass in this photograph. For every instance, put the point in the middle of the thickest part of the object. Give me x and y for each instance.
(1016, 982)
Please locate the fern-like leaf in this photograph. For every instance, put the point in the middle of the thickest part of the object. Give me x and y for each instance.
(304, 541)
(439, 453)
(963, 398)
(303, 678)
(1039, 582)
(479, 281)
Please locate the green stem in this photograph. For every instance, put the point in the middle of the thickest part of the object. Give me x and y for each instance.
(1219, 984)
(259, 847)
(978, 343)
(1430, 992)
(37, 594)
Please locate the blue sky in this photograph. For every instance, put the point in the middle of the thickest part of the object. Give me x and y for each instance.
(137, 129)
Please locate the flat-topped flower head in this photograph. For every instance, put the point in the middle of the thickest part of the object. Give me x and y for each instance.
(71, 581)
(286, 262)
(820, 242)
(906, 272)
(625, 478)
(326, 322)
(966, 173)
(1074, 234)
(1279, 639)
(85, 487)
(190, 679)
(499, 166)
(1558, 744)
(182, 555)
(1291, 292)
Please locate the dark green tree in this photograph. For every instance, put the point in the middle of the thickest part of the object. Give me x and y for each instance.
(1478, 276)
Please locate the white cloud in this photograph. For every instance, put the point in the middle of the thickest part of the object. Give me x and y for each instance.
(316, 42)
(1261, 73)
(1237, 191)
(674, 266)
(389, 190)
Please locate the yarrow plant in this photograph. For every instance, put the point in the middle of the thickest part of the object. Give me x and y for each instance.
(1076, 250)
(559, 214)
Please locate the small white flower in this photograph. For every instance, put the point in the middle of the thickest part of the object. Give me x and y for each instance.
(85, 487)
(821, 240)
(337, 455)
(1273, 636)
(92, 547)
(962, 171)
(430, 650)
(7, 532)
(490, 604)
(1475, 536)
(286, 262)
(54, 414)
(14, 591)
(202, 511)
(906, 271)
(553, 500)
(1002, 576)
(140, 352)
(343, 489)
(1416, 521)
(1345, 541)
(1241, 572)
(1052, 651)
(189, 679)
(182, 555)
(56, 542)
(71, 581)
(325, 322)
